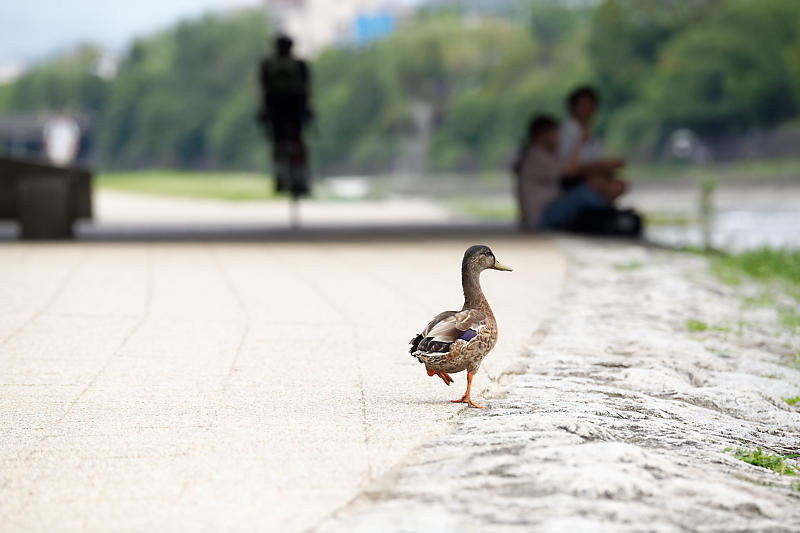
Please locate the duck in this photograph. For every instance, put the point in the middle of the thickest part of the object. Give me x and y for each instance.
(455, 341)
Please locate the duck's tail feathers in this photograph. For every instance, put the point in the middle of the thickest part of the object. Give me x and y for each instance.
(415, 343)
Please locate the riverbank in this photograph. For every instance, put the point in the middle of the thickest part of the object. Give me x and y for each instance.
(746, 213)
(647, 381)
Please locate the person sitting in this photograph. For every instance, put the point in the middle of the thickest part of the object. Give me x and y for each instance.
(581, 152)
(544, 203)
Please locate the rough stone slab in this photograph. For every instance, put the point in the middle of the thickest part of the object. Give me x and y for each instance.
(621, 420)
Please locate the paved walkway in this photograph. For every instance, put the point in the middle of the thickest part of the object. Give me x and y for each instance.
(164, 387)
(126, 212)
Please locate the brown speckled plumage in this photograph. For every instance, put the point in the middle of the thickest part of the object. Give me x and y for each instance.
(459, 340)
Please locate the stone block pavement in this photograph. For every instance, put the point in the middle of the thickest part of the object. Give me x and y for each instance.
(225, 386)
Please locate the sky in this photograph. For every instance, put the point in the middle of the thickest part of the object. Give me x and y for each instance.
(34, 29)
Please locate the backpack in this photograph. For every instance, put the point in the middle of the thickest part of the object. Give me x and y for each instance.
(284, 78)
(608, 221)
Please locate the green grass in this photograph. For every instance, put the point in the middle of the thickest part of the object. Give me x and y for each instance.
(763, 299)
(776, 463)
(764, 264)
(777, 269)
(790, 319)
(764, 169)
(633, 265)
(218, 185)
(696, 325)
(791, 401)
(483, 211)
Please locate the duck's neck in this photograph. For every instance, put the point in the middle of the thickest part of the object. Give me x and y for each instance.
(473, 295)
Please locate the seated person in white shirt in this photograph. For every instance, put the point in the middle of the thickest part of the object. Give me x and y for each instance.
(589, 166)
(543, 203)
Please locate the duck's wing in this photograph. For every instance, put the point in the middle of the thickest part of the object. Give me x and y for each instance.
(447, 328)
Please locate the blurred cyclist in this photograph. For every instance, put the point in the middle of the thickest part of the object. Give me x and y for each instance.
(285, 110)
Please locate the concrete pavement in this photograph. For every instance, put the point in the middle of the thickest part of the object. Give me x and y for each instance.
(124, 213)
(217, 387)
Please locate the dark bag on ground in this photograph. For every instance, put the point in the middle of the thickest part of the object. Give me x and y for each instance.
(608, 221)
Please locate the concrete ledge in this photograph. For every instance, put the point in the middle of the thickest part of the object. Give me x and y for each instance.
(45, 199)
(43, 204)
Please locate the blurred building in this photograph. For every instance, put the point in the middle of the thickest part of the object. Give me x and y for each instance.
(316, 24)
(10, 70)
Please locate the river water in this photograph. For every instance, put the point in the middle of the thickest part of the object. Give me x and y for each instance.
(736, 230)
(746, 215)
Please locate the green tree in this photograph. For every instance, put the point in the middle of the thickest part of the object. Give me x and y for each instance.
(188, 96)
(68, 82)
(626, 38)
(707, 77)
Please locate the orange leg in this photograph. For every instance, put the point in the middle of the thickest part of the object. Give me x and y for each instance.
(466, 398)
(445, 376)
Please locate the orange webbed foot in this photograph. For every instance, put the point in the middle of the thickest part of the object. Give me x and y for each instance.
(466, 398)
(444, 375)
(446, 378)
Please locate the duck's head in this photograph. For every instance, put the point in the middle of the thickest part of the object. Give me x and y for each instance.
(479, 258)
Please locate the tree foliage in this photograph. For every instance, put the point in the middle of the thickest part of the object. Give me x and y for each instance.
(716, 66)
(481, 81)
(71, 82)
(187, 97)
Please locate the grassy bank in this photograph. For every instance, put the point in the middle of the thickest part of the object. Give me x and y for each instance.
(485, 211)
(756, 170)
(216, 185)
(250, 186)
(777, 270)
(761, 170)
(765, 264)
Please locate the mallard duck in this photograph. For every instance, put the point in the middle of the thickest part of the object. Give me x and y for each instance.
(459, 340)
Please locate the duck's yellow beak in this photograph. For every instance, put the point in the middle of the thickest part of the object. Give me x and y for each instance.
(500, 266)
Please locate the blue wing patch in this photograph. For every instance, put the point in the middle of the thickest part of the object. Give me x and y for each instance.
(468, 335)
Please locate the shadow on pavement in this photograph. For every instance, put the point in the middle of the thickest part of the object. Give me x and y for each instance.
(255, 233)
